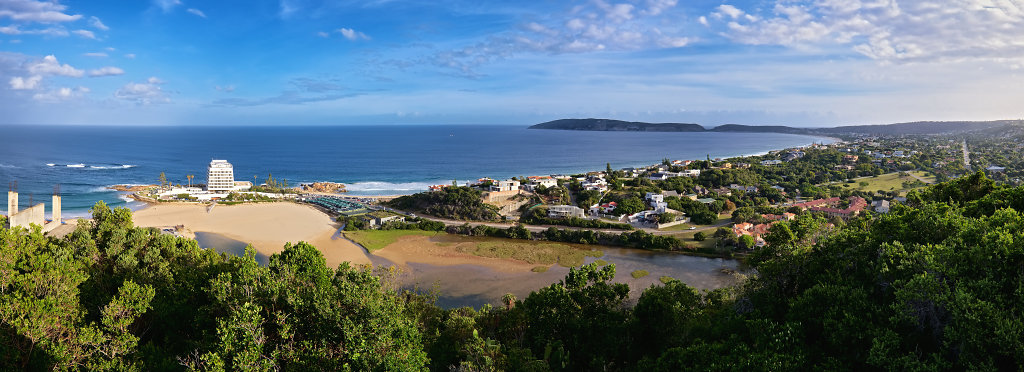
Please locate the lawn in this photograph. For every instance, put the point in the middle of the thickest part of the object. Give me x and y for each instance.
(723, 218)
(533, 252)
(373, 240)
(885, 182)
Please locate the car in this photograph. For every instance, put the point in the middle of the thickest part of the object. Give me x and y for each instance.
(693, 228)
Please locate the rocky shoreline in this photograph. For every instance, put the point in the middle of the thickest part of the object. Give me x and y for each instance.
(131, 188)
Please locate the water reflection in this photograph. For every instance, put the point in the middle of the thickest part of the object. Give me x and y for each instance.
(471, 285)
(223, 244)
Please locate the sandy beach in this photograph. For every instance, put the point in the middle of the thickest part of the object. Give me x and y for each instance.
(267, 226)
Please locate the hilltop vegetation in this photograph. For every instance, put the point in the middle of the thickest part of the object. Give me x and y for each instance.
(920, 127)
(457, 203)
(934, 285)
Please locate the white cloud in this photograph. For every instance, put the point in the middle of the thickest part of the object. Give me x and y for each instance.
(146, 93)
(39, 69)
(353, 35)
(85, 33)
(729, 10)
(27, 83)
(196, 12)
(49, 31)
(60, 94)
(36, 11)
(225, 89)
(166, 5)
(888, 31)
(323, 34)
(95, 54)
(50, 66)
(106, 71)
(98, 24)
(130, 56)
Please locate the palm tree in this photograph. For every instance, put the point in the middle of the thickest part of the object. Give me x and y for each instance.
(509, 300)
(190, 177)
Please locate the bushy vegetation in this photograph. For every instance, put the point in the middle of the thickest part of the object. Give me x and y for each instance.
(931, 286)
(538, 216)
(457, 203)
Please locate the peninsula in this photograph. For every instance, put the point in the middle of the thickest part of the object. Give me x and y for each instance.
(919, 127)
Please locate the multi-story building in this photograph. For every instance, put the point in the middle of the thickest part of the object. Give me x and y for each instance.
(220, 176)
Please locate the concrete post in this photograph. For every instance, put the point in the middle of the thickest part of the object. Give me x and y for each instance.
(56, 209)
(12, 203)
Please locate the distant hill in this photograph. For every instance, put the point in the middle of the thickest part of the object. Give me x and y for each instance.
(920, 127)
(617, 125)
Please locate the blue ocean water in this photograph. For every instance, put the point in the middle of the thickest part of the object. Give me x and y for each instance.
(370, 160)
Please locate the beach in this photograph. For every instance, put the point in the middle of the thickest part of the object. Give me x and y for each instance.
(267, 226)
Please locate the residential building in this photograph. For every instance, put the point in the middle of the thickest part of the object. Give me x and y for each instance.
(506, 185)
(565, 211)
(770, 162)
(538, 181)
(220, 176)
(880, 206)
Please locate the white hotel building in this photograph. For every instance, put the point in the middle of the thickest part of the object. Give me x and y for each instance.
(220, 176)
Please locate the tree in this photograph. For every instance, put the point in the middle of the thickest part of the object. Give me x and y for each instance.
(699, 236)
(747, 242)
(163, 179)
(630, 206)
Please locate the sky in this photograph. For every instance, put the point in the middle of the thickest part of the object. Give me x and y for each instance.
(379, 62)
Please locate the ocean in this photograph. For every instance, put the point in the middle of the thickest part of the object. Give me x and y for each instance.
(369, 160)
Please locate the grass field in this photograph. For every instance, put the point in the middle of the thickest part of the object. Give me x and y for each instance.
(373, 240)
(544, 253)
(885, 182)
(639, 274)
(722, 218)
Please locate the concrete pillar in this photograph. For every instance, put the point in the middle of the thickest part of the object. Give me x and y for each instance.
(12, 203)
(56, 209)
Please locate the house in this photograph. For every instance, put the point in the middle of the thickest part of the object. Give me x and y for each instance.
(595, 183)
(506, 185)
(755, 231)
(743, 165)
(706, 200)
(744, 188)
(995, 169)
(880, 206)
(433, 188)
(780, 217)
(770, 162)
(538, 181)
(830, 206)
(723, 191)
(690, 173)
(605, 208)
(657, 201)
(850, 158)
(565, 211)
(844, 167)
(377, 219)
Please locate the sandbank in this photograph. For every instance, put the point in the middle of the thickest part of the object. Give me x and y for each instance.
(421, 249)
(267, 226)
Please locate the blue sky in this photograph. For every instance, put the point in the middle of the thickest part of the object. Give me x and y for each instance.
(305, 62)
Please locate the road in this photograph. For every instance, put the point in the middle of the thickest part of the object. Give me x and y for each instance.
(541, 228)
(967, 157)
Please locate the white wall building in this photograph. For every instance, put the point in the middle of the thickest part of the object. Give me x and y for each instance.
(220, 176)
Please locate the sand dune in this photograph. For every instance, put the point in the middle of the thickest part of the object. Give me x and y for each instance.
(267, 226)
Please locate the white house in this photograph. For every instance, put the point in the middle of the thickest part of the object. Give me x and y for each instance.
(506, 185)
(770, 162)
(565, 211)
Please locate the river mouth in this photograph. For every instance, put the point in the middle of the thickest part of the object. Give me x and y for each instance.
(475, 286)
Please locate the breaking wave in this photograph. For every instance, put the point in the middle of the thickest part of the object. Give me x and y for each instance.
(384, 188)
